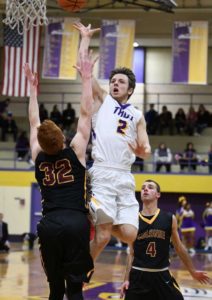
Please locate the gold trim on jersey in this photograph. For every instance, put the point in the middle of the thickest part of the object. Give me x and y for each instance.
(93, 199)
(177, 287)
(149, 221)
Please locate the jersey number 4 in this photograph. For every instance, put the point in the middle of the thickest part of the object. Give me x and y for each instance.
(58, 172)
(151, 249)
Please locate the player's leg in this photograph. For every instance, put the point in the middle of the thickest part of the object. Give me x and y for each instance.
(101, 238)
(74, 290)
(51, 254)
(126, 222)
(166, 287)
(140, 286)
(125, 232)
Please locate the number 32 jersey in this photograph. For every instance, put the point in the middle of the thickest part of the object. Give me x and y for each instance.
(61, 179)
(152, 245)
(113, 127)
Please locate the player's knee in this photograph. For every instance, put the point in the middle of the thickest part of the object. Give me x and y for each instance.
(102, 238)
(129, 234)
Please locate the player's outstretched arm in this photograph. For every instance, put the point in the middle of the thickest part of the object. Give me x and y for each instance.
(200, 276)
(86, 34)
(34, 118)
(80, 140)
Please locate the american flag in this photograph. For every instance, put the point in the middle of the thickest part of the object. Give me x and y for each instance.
(19, 49)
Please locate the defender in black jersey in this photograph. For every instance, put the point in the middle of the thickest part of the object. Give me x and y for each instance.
(147, 274)
(64, 228)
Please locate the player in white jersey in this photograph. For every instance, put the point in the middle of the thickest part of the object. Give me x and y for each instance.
(118, 136)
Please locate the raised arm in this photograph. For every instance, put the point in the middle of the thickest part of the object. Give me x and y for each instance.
(34, 118)
(184, 256)
(80, 140)
(86, 34)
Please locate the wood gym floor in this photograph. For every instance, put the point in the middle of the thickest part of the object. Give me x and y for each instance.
(22, 277)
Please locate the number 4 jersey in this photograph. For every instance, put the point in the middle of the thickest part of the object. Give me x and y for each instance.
(61, 179)
(151, 247)
(113, 127)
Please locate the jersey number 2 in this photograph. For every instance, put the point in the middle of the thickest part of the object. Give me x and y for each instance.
(122, 127)
(56, 173)
(151, 249)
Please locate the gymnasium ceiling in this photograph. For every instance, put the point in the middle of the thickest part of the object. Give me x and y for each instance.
(149, 23)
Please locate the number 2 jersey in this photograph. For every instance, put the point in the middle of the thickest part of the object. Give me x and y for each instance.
(113, 127)
(151, 247)
(62, 181)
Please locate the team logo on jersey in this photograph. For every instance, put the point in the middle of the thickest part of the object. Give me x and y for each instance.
(122, 113)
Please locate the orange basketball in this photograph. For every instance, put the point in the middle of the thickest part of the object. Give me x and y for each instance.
(72, 5)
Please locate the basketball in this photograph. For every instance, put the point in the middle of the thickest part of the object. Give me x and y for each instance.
(72, 5)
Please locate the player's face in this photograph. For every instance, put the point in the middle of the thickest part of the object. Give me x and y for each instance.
(119, 87)
(149, 192)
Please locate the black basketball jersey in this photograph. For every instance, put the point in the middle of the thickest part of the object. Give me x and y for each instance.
(151, 247)
(62, 181)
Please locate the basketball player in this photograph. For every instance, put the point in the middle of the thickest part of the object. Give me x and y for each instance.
(119, 135)
(64, 229)
(147, 273)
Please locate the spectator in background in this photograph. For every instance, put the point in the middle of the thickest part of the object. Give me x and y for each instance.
(3, 110)
(189, 158)
(56, 116)
(4, 235)
(162, 157)
(188, 228)
(165, 121)
(207, 221)
(182, 201)
(4, 106)
(180, 121)
(203, 117)
(151, 117)
(43, 113)
(191, 120)
(22, 145)
(68, 117)
(138, 165)
(210, 160)
(9, 127)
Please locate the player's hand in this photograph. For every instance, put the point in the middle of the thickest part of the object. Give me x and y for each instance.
(142, 151)
(202, 277)
(85, 64)
(85, 31)
(124, 287)
(32, 77)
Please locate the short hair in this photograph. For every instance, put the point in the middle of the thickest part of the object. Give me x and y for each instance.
(50, 137)
(157, 185)
(126, 71)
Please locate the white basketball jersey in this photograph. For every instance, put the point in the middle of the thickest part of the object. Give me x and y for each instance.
(113, 127)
